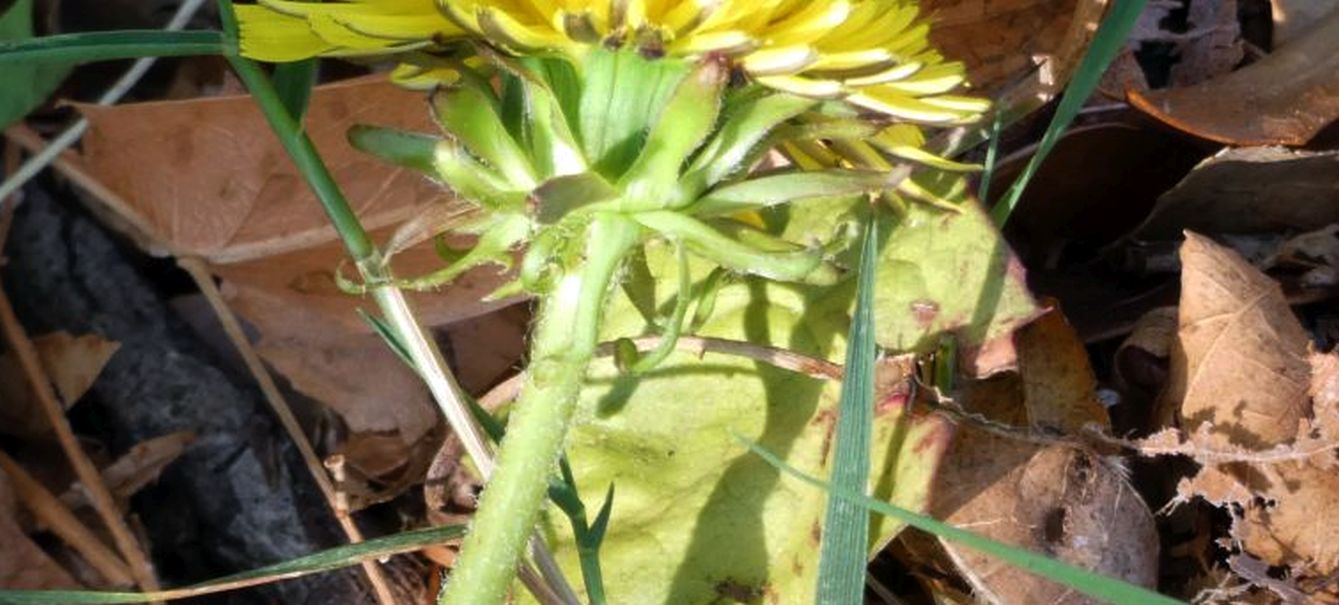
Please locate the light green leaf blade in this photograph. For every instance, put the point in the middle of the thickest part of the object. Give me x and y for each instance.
(941, 271)
(697, 518)
(951, 272)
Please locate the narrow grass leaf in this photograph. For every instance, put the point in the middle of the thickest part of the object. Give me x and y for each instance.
(27, 84)
(1106, 45)
(1092, 584)
(110, 45)
(992, 153)
(294, 81)
(845, 548)
(387, 334)
(334, 558)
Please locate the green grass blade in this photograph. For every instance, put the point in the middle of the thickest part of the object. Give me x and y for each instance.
(27, 84)
(1106, 45)
(992, 151)
(845, 548)
(1089, 583)
(326, 560)
(85, 47)
(294, 81)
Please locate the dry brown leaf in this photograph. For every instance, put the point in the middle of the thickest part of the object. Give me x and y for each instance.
(1251, 190)
(1000, 40)
(1297, 530)
(212, 180)
(1325, 394)
(1240, 360)
(72, 363)
(1055, 500)
(432, 221)
(1212, 47)
(1294, 18)
(138, 467)
(1209, 46)
(23, 565)
(1141, 366)
(486, 349)
(374, 455)
(1047, 499)
(359, 377)
(1060, 390)
(1242, 367)
(310, 333)
(1283, 99)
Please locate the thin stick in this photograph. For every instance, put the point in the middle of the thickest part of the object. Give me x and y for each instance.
(119, 89)
(88, 474)
(55, 516)
(205, 281)
(799, 363)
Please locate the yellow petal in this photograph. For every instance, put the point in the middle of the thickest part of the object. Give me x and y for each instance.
(896, 72)
(270, 36)
(805, 87)
(774, 61)
(882, 100)
(731, 42)
(930, 81)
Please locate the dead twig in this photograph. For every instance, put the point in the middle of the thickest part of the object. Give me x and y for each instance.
(56, 517)
(88, 474)
(799, 363)
(205, 281)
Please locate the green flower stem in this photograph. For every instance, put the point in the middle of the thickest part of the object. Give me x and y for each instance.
(563, 344)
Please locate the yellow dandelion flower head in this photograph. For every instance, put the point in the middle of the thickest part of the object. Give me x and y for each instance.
(876, 54)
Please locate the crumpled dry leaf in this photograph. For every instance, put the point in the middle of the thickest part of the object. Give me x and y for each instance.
(71, 362)
(244, 208)
(1049, 499)
(1001, 39)
(24, 565)
(1245, 371)
(358, 376)
(138, 467)
(1283, 99)
(1240, 360)
(1294, 18)
(74, 362)
(1250, 190)
(212, 181)
(1059, 387)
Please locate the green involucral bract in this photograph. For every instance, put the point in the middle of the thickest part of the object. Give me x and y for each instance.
(579, 166)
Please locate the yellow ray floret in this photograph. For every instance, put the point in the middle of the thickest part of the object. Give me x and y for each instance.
(875, 52)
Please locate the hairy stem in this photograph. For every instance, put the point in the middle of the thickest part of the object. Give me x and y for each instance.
(563, 344)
